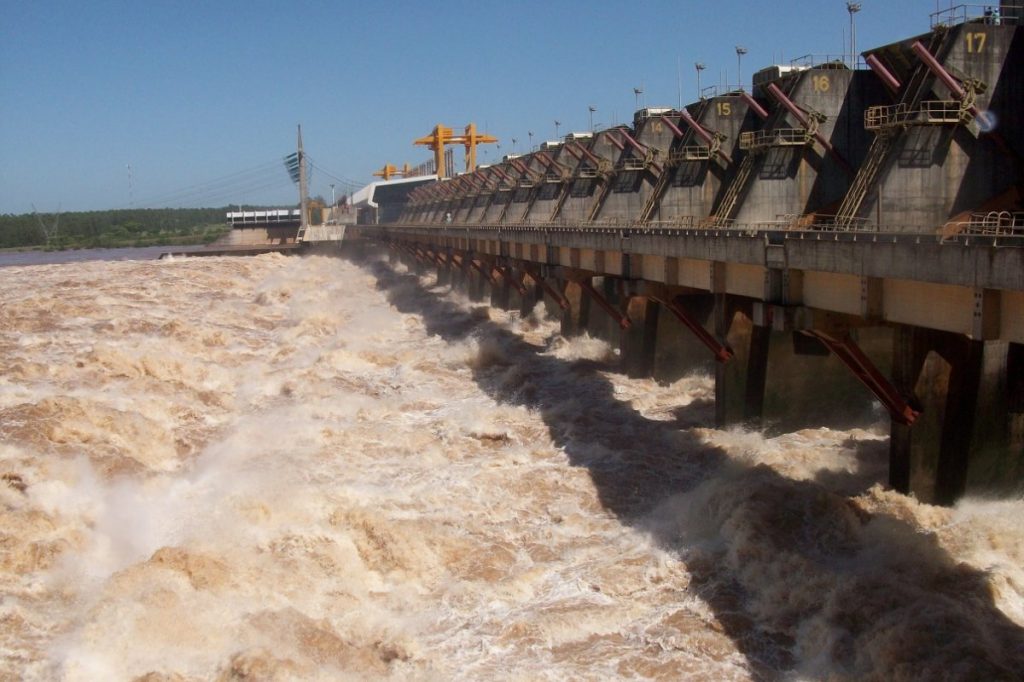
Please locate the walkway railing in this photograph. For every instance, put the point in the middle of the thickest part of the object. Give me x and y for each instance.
(992, 225)
(991, 14)
(929, 112)
(778, 137)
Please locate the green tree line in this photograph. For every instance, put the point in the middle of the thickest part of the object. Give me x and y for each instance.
(121, 227)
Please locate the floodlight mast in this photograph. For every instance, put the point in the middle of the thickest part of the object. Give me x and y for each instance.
(853, 8)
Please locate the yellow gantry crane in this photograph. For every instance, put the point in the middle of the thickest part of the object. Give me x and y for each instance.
(389, 170)
(442, 136)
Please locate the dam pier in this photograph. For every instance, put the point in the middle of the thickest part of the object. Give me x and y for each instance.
(834, 242)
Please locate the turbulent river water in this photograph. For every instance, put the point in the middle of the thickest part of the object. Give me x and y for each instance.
(278, 468)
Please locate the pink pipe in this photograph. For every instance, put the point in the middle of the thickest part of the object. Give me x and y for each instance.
(883, 73)
(802, 117)
(672, 126)
(933, 65)
(701, 133)
(586, 152)
(636, 145)
(780, 96)
(754, 105)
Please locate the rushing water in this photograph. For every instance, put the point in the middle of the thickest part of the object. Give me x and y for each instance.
(39, 257)
(277, 468)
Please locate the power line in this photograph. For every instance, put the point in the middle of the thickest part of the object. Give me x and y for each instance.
(348, 182)
(239, 182)
(237, 178)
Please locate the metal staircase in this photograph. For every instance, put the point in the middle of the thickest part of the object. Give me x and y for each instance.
(667, 173)
(878, 153)
(562, 196)
(676, 155)
(603, 191)
(732, 193)
(727, 204)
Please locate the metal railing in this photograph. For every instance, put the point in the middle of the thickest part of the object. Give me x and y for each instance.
(778, 137)
(928, 112)
(991, 14)
(996, 225)
(991, 224)
(678, 221)
(831, 223)
(690, 152)
(822, 61)
(631, 164)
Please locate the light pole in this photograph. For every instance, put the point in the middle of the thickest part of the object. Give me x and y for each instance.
(592, 109)
(513, 145)
(334, 206)
(557, 123)
(853, 8)
(530, 133)
(740, 51)
(700, 66)
(638, 92)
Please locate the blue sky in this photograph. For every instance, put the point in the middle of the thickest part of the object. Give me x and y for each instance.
(188, 93)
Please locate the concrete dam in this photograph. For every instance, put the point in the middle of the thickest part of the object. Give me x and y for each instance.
(833, 240)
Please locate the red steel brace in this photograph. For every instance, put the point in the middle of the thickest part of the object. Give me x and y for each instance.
(853, 357)
(509, 275)
(618, 143)
(417, 253)
(616, 315)
(488, 274)
(722, 352)
(551, 291)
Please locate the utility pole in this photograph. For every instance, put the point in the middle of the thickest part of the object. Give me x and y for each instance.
(302, 186)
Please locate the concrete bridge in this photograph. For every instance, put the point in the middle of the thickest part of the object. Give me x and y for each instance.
(833, 227)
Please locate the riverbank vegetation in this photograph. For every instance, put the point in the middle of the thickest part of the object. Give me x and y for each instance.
(113, 228)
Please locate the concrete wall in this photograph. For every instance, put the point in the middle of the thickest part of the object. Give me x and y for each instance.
(546, 201)
(630, 189)
(797, 180)
(584, 191)
(249, 236)
(936, 172)
(695, 185)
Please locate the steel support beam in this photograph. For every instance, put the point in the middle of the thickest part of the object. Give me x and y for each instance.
(614, 312)
(550, 290)
(850, 354)
(722, 352)
(510, 276)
